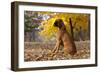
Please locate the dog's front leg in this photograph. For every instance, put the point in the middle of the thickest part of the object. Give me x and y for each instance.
(56, 48)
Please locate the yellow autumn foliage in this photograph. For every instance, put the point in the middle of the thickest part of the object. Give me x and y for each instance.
(49, 30)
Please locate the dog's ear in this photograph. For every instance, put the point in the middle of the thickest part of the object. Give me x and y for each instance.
(61, 22)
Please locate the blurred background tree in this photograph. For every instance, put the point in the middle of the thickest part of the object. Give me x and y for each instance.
(32, 21)
(39, 25)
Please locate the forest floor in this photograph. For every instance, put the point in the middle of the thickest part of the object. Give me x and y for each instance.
(40, 51)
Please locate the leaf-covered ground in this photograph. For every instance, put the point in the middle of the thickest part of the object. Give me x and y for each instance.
(40, 51)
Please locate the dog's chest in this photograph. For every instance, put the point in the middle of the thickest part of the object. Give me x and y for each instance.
(61, 32)
(60, 35)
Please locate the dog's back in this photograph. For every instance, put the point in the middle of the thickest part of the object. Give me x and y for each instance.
(69, 45)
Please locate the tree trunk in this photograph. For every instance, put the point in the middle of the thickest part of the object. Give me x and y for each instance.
(71, 28)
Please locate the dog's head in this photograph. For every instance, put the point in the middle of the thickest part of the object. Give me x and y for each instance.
(59, 23)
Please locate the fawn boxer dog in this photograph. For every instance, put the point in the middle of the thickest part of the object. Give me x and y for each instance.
(63, 38)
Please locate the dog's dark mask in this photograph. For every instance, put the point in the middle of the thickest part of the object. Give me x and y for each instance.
(58, 23)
